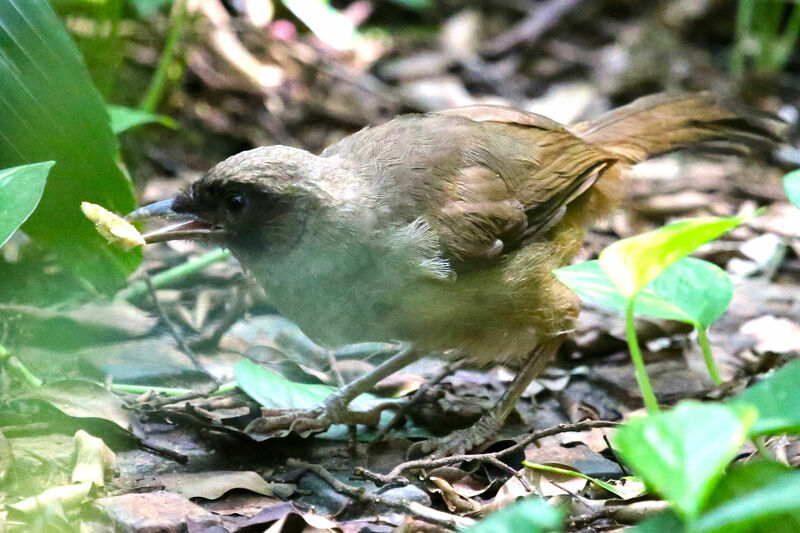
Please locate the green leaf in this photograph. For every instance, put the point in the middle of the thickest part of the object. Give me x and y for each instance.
(531, 515)
(20, 191)
(691, 290)
(775, 399)
(634, 262)
(681, 453)
(758, 497)
(124, 118)
(51, 111)
(272, 390)
(666, 522)
(791, 183)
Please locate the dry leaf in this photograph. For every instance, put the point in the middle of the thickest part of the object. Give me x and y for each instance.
(92, 459)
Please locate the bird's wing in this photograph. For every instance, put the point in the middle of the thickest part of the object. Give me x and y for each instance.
(487, 179)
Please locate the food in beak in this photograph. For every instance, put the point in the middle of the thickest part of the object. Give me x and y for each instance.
(189, 226)
(114, 228)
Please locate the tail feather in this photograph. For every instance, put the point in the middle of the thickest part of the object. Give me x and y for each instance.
(664, 122)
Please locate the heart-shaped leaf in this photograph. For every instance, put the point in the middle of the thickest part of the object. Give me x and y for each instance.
(791, 183)
(634, 262)
(690, 290)
(21, 189)
(681, 453)
(775, 399)
(531, 515)
(760, 496)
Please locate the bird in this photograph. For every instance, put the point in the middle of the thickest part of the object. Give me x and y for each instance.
(439, 230)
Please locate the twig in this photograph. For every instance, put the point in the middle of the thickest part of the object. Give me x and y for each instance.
(396, 474)
(415, 509)
(176, 334)
(542, 18)
(415, 398)
(164, 452)
(224, 40)
(510, 471)
(232, 314)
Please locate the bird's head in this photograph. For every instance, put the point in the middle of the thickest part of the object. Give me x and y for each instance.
(260, 199)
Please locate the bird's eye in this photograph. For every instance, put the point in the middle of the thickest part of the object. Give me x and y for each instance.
(235, 203)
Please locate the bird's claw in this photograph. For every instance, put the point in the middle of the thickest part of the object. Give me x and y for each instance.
(304, 422)
(281, 422)
(458, 442)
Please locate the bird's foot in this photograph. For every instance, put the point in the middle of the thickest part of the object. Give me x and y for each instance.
(304, 422)
(460, 441)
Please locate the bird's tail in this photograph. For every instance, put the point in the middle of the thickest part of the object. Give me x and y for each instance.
(664, 122)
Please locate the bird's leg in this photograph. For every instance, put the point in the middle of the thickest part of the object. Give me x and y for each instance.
(462, 440)
(334, 409)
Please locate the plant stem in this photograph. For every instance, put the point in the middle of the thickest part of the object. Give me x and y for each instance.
(167, 391)
(642, 379)
(702, 338)
(142, 389)
(177, 22)
(162, 279)
(16, 366)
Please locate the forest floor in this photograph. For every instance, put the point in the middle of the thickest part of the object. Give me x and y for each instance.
(188, 458)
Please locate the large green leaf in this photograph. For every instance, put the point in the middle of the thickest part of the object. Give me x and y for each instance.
(775, 399)
(20, 191)
(757, 497)
(531, 515)
(634, 262)
(681, 453)
(49, 110)
(791, 183)
(691, 290)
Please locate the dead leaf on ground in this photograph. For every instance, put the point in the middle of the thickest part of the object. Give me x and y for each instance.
(84, 399)
(213, 484)
(92, 459)
(773, 334)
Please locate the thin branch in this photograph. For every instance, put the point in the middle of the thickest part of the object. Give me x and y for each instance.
(395, 475)
(415, 509)
(416, 398)
(176, 334)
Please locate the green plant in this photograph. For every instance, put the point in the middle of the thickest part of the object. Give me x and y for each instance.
(633, 263)
(683, 455)
(531, 515)
(73, 130)
(21, 189)
(690, 290)
(766, 35)
(125, 118)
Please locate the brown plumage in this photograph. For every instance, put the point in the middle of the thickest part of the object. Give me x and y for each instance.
(442, 229)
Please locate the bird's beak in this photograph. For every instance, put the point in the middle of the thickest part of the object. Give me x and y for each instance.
(188, 227)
